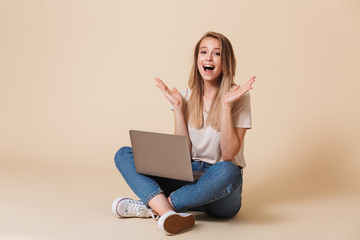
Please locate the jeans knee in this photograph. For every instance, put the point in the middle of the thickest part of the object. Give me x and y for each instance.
(230, 214)
(121, 155)
(225, 212)
(226, 207)
(229, 173)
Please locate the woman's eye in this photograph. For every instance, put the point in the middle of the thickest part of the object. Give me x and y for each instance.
(203, 52)
(217, 54)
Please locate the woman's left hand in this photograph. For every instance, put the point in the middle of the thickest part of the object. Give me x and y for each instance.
(237, 92)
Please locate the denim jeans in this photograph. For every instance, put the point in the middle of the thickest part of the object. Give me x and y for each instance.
(217, 192)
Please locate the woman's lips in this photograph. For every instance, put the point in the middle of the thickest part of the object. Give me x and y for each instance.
(208, 68)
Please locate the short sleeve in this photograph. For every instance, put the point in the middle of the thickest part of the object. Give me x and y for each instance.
(241, 112)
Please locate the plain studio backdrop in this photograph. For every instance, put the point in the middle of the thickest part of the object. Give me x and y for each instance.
(75, 76)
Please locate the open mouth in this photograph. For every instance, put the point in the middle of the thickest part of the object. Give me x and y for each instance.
(208, 68)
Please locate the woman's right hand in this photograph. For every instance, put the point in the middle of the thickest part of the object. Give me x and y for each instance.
(173, 95)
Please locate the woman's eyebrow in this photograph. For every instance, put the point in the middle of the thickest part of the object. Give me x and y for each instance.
(207, 47)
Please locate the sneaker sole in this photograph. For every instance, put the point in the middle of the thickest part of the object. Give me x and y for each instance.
(115, 204)
(176, 224)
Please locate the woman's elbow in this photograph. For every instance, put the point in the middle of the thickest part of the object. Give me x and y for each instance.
(228, 157)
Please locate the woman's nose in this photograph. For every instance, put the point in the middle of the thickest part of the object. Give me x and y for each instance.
(209, 57)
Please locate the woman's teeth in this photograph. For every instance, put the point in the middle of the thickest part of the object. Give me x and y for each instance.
(208, 68)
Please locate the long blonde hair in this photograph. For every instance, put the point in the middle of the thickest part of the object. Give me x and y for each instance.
(194, 107)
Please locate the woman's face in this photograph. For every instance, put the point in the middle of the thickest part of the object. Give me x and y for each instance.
(209, 59)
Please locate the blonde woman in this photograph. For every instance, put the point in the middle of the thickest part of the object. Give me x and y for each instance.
(214, 113)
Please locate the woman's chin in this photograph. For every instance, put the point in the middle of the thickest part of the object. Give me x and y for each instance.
(207, 78)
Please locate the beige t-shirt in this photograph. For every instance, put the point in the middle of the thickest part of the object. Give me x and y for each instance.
(206, 141)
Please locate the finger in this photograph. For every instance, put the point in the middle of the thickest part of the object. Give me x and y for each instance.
(158, 80)
(161, 83)
(252, 80)
(167, 95)
(249, 83)
(175, 90)
(162, 86)
(162, 89)
(234, 88)
(159, 86)
(240, 91)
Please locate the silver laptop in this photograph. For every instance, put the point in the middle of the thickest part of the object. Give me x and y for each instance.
(162, 155)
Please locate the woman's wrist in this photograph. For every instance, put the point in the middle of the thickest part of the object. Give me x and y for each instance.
(178, 108)
(226, 107)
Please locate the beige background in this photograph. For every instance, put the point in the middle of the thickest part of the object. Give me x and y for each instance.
(75, 76)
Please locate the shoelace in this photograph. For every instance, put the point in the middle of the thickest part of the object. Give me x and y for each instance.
(137, 208)
(153, 215)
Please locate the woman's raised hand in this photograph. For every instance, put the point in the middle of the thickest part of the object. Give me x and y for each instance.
(173, 95)
(237, 92)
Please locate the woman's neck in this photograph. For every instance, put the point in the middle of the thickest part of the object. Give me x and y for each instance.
(210, 90)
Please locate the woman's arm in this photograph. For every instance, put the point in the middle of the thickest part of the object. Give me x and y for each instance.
(180, 127)
(176, 100)
(230, 137)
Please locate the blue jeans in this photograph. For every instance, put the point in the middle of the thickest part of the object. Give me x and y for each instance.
(217, 192)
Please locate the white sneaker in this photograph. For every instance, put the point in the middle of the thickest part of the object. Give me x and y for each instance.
(126, 207)
(173, 223)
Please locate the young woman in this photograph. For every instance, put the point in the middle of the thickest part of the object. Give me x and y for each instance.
(214, 113)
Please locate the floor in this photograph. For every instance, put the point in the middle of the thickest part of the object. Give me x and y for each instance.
(38, 203)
